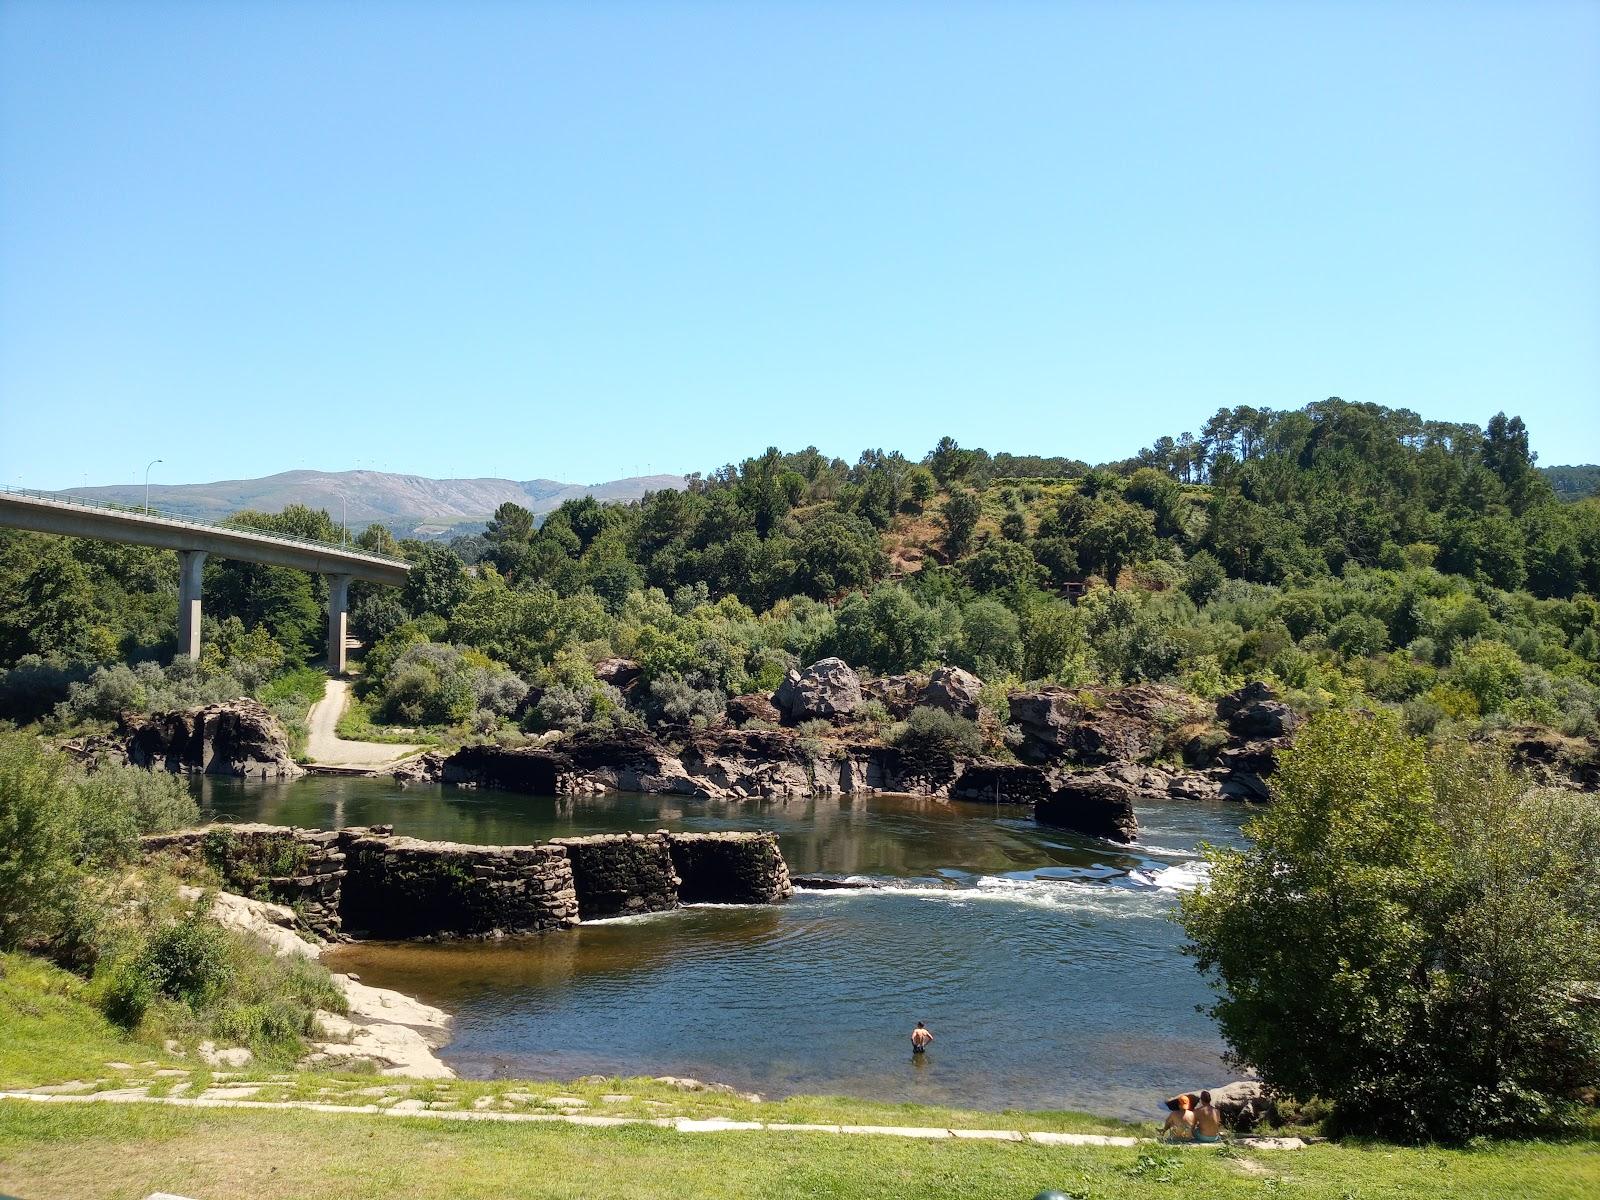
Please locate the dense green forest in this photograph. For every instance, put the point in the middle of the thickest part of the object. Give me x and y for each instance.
(1349, 552)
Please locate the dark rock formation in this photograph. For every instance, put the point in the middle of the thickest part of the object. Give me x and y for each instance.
(1092, 726)
(233, 737)
(729, 868)
(826, 690)
(953, 690)
(1553, 760)
(897, 693)
(1255, 712)
(370, 883)
(615, 875)
(620, 673)
(753, 706)
(1092, 803)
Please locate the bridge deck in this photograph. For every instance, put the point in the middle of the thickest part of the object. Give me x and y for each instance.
(44, 513)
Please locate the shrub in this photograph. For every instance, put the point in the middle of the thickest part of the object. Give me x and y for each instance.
(933, 735)
(674, 699)
(39, 838)
(118, 803)
(187, 960)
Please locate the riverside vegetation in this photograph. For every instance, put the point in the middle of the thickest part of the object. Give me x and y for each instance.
(1362, 560)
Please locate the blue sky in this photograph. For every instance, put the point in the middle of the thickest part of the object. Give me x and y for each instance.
(589, 240)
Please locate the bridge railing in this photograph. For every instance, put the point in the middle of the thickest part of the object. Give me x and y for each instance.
(138, 510)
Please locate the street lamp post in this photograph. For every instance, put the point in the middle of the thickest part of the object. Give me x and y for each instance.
(152, 463)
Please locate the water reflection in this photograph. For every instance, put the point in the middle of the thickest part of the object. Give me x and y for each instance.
(1045, 963)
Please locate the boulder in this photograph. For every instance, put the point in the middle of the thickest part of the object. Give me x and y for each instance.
(826, 690)
(620, 673)
(232, 737)
(1255, 712)
(953, 690)
(753, 706)
(1092, 804)
(897, 693)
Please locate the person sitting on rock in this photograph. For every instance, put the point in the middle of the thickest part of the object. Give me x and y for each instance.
(921, 1036)
(1207, 1120)
(1180, 1121)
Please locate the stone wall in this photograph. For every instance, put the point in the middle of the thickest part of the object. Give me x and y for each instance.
(370, 883)
(729, 868)
(618, 874)
(400, 887)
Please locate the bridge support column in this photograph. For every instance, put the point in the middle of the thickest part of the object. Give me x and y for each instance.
(191, 564)
(338, 614)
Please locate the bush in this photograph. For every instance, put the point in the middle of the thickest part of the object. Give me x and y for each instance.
(1403, 936)
(932, 735)
(674, 699)
(118, 803)
(39, 838)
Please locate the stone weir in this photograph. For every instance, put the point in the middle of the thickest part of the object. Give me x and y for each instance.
(370, 883)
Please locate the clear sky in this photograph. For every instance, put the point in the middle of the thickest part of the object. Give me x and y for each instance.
(595, 239)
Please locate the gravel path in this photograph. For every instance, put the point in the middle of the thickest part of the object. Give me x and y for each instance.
(326, 748)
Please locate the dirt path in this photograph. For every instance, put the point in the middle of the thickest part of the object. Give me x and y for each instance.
(326, 748)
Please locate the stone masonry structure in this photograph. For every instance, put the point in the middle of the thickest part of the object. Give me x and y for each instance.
(367, 882)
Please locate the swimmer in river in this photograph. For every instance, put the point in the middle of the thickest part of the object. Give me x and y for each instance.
(921, 1036)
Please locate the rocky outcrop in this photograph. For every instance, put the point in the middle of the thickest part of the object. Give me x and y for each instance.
(232, 737)
(367, 882)
(1135, 735)
(620, 673)
(899, 694)
(1094, 803)
(1254, 712)
(954, 691)
(379, 1029)
(1551, 759)
(737, 765)
(1094, 726)
(753, 706)
(826, 690)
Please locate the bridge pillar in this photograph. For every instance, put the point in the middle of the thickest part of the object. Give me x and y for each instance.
(338, 613)
(191, 565)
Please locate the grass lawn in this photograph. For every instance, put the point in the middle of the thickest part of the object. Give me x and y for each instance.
(50, 1033)
(108, 1151)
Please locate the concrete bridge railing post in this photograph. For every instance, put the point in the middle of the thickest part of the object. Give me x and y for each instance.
(191, 568)
(338, 621)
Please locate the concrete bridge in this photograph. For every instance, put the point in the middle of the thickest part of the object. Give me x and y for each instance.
(194, 540)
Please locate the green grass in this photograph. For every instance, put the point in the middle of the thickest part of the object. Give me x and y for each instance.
(49, 1030)
(131, 1150)
(357, 725)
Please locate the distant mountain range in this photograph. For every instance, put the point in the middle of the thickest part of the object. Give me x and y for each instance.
(410, 505)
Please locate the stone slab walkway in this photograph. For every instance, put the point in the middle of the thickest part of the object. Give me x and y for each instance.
(680, 1124)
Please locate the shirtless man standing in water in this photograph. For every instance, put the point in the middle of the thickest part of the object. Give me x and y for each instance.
(920, 1037)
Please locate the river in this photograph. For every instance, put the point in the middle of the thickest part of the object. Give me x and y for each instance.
(1045, 963)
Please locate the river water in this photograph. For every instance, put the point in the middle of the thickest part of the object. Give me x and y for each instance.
(1045, 963)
